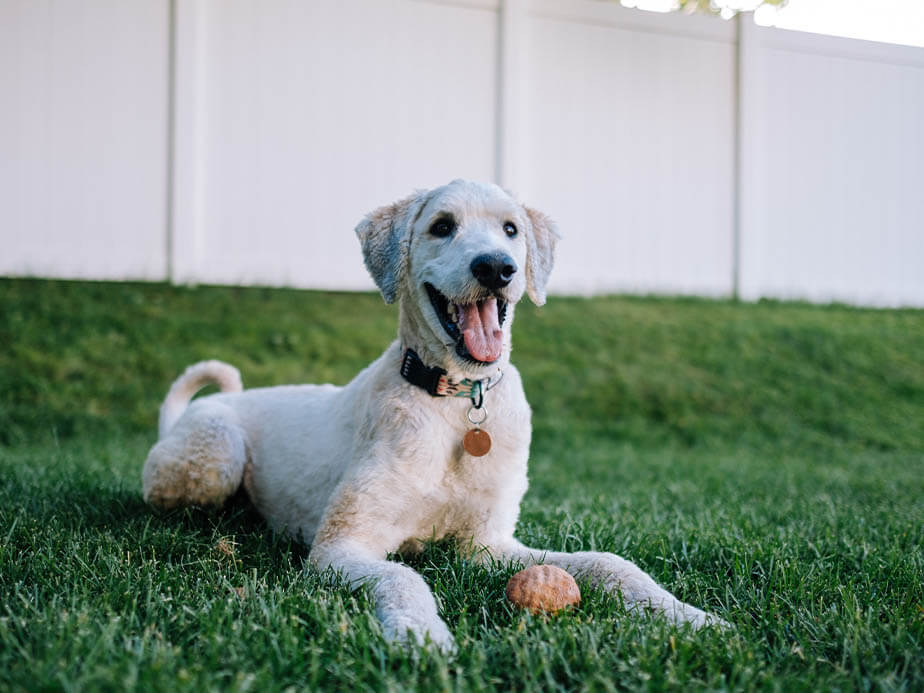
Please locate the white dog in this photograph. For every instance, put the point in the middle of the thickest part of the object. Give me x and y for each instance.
(430, 441)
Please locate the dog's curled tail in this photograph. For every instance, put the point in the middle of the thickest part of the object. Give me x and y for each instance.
(194, 378)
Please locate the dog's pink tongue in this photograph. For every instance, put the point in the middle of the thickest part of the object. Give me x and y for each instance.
(481, 330)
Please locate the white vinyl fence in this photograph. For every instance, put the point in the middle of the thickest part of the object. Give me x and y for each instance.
(832, 184)
(233, 141)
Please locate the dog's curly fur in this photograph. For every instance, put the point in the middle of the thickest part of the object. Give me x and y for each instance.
(375, 466)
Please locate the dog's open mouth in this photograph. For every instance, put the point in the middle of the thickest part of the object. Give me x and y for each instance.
(474, 327)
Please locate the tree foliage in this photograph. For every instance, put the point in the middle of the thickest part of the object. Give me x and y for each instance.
(716, 6)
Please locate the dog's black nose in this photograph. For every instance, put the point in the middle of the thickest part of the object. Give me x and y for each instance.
(493, 271)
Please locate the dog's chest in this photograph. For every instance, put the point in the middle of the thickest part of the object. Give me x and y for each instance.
(414, 471)
(465, 493)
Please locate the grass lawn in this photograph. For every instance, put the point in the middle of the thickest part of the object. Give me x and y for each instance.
(764, 462)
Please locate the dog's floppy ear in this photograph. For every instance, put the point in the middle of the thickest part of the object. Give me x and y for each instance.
(540, 253)
(385, 238)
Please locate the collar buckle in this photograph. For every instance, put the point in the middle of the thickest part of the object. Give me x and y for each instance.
(416, 373)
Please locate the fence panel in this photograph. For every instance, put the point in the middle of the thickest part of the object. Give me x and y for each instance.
(83, 138)
(833, 169)
(315, 113)
(630, 146)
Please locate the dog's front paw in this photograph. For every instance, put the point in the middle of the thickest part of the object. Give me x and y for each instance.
(715, 622)
(408, 628)
(686, 613)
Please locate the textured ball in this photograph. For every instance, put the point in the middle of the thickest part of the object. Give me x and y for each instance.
(543, 588)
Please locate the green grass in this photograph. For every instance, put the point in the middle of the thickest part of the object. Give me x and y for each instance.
(765, 462)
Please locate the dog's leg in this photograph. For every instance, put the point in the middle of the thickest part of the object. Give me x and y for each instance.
(403, 602)
(613, 574)
(200, 461)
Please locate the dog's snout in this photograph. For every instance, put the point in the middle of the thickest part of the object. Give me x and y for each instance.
(493, 271)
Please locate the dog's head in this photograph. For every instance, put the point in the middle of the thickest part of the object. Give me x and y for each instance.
(458, 258)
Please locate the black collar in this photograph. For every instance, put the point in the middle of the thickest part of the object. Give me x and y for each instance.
(435, 380)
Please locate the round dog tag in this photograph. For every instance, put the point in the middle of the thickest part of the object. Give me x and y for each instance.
(477, 442)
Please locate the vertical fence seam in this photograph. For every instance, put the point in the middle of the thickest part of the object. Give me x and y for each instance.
(171, 139)
(736, 165)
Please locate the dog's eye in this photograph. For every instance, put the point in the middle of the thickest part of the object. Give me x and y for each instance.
(443, 226)
(510, 229)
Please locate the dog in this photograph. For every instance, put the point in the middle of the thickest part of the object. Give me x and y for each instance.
(430, 441)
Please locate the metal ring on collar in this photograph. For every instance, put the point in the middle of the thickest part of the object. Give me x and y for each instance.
(484, 415)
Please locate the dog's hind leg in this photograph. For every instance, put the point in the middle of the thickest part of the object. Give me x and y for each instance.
(199, 462)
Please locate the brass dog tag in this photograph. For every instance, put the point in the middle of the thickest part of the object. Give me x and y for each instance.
(477, 442)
